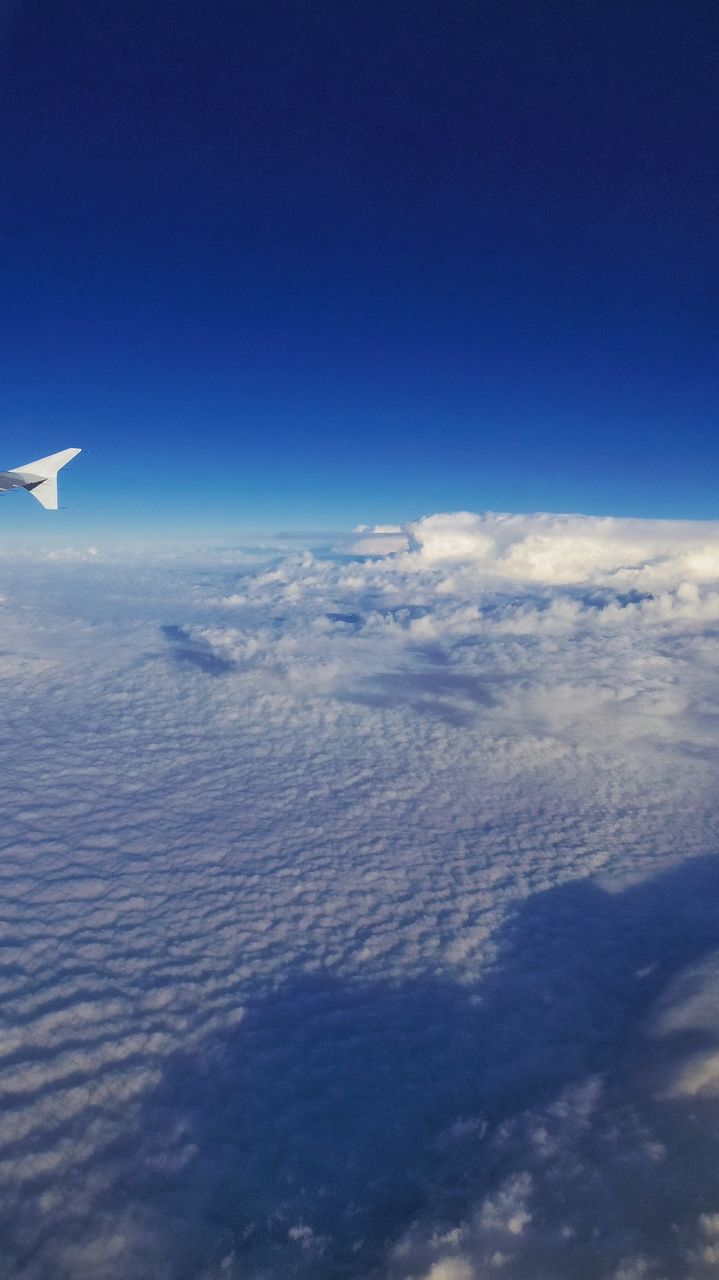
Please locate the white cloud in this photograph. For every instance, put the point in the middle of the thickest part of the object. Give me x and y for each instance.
(339, 898)
(561, 550)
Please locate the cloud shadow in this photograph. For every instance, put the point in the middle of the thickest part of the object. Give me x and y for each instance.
(188, 650)
(452, 696)
(324, 1124)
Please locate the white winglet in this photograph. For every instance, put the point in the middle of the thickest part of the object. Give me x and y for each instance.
(40, 477)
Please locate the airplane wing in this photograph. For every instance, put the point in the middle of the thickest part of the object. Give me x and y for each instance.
(39, 477)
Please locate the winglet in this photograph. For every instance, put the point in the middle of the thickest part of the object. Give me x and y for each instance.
(40, 477)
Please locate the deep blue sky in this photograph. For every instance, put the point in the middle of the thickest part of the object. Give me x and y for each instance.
(313, 263)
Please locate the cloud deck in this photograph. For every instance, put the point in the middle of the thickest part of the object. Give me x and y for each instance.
(359, 908)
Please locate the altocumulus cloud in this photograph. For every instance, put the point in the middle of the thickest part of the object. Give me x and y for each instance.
(360, 906)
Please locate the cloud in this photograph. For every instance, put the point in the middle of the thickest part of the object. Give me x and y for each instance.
(554, 550)
(359, 909)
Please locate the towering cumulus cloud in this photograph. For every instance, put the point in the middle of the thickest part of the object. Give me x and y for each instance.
(361, 906)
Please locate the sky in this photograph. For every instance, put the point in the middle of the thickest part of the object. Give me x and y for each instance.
(301, 266)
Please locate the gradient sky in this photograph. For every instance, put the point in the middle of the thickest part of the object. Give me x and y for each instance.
(304, 265)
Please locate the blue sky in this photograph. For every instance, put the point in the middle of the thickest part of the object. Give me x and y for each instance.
(308, 265)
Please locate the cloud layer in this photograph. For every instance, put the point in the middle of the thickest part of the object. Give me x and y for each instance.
(555, 550)
(360, 906)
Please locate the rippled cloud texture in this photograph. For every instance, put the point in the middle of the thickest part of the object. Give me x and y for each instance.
(360, 910)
